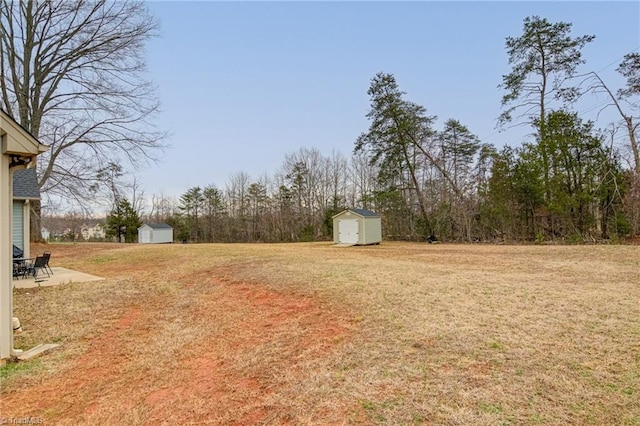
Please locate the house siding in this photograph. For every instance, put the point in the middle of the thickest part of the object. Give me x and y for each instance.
(17, 227)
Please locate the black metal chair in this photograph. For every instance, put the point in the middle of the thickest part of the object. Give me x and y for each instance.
(47, 256)
(38, 265)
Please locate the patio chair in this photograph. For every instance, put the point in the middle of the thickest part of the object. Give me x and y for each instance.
(38, 265)
(47, 256)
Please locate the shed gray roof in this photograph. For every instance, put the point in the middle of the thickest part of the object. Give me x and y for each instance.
(365, 212)
(159, 226)
(25, 185)
(360, 212)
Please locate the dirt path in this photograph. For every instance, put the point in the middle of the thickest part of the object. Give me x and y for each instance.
(213, 352)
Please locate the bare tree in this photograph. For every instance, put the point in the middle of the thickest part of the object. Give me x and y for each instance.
(627, 104)
(72, 74)
(236, 197)
(626, 95)
(595, 84)
(162, 207)
(362, 181)
(336, 179)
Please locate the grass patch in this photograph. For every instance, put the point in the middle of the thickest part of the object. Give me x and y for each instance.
(14, 369)
(490, 408)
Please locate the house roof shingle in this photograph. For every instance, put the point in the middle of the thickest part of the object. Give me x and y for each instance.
(25, 185)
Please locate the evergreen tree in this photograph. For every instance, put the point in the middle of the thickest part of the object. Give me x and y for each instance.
(395, 139)
(543, 58)
(583, 175)
(214, 207)
(122, 222)
(191, 203)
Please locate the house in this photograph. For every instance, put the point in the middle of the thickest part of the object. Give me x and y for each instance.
(25, 189)
(357, 227)
(155, 233)
(18, 150)
(72, 227)
(92, 229)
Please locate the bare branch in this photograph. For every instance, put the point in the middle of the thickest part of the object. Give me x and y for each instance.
(73, 75)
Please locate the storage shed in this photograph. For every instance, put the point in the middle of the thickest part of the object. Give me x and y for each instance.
(155, 233)
(357, 227)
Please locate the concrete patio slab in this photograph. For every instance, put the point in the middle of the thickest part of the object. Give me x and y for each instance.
(59, 276)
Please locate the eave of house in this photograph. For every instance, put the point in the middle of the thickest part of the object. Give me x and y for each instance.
(16, 141)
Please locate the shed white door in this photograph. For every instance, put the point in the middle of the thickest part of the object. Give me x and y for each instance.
(145, 236)
(348, 231)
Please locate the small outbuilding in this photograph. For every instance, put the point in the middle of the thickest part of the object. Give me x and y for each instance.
(155, 233)
(357, 227)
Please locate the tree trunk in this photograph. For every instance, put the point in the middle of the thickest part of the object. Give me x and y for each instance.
(35, 222)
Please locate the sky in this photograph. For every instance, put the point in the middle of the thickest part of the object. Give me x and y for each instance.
(243, 84)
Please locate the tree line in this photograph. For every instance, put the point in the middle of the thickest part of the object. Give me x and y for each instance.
(570, 182)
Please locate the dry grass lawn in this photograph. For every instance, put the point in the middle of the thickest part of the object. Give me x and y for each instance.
(312, 334)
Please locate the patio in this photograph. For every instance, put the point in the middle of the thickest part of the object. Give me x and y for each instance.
(60, 276)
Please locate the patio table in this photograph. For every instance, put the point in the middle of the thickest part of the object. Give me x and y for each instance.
(21, 266)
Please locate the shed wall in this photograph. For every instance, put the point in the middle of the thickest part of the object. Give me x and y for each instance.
(162, 236)
(372, 232)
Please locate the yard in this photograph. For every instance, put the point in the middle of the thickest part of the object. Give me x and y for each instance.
(312, 334)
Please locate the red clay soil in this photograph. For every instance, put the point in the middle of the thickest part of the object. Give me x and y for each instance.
(199, 383)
